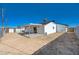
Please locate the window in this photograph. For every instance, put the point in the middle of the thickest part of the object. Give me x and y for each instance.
(53, 27)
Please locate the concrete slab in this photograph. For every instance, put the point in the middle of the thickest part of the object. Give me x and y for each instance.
(26, 45)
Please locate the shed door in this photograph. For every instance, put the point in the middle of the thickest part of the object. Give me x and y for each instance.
(35, 29)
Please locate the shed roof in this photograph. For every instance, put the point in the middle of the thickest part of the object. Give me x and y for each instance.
(35, 24)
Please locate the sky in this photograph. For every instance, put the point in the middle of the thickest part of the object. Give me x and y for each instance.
(19, 14)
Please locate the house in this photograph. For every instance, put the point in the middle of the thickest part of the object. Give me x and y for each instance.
(47, 28)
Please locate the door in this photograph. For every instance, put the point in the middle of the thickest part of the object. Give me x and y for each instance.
(35, 29)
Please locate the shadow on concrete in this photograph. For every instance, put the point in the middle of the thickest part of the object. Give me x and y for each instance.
(66, 44)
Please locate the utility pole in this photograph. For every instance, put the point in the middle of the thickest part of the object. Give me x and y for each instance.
(2, 22)
(6, 22)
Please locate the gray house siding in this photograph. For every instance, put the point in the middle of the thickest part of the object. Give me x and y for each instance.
(77, 31)
(40, 29)
(61, 28)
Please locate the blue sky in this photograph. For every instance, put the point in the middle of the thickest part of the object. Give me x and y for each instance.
(24, 13)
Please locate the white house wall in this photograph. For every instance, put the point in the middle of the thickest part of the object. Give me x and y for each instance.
(50, 28)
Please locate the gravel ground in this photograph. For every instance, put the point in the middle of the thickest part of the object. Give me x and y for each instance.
(66, 44)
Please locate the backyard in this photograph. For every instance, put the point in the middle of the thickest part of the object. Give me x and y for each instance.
(13, 43)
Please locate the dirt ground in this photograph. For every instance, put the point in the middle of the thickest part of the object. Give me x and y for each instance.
(13, 43)
(66, 44)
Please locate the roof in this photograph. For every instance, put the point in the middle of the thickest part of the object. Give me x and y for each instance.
(54, 22)
(62, 24)
(47, 22)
